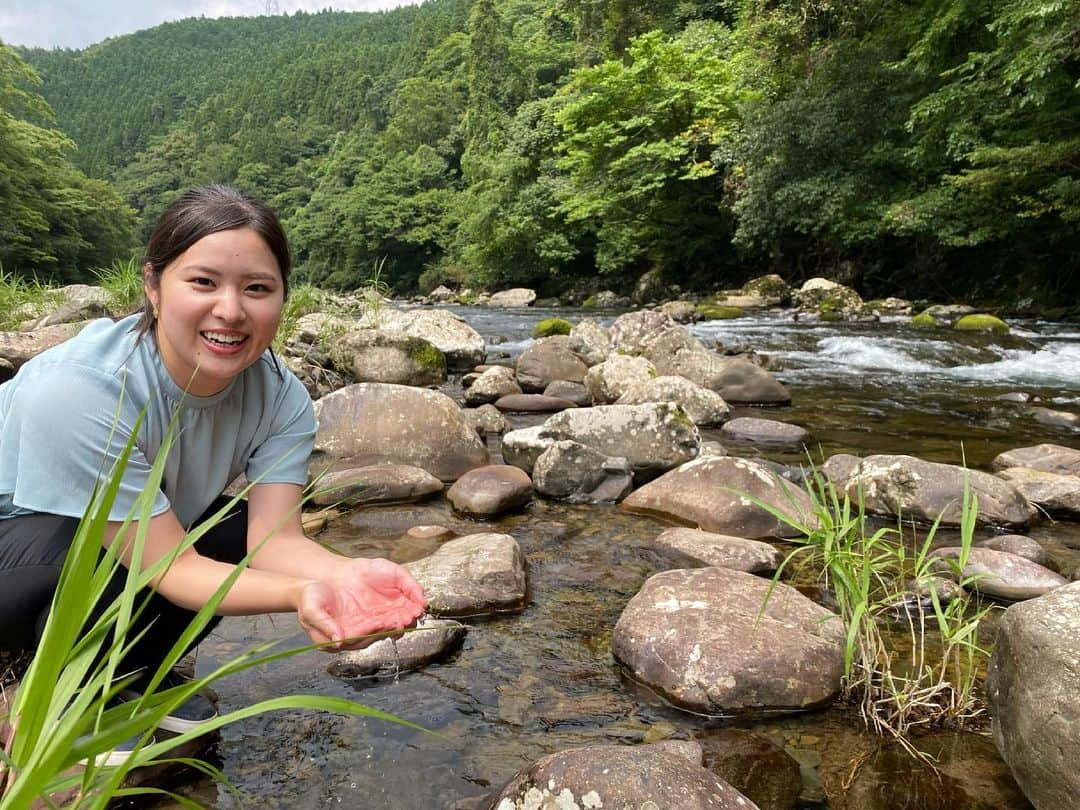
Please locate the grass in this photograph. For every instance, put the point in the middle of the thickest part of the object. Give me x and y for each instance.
(303, 300)
(22, 299)
(123, 282)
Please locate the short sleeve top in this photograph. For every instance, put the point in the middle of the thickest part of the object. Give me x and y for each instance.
(69, 412)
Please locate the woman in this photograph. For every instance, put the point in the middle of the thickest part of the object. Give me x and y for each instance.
(216, 276)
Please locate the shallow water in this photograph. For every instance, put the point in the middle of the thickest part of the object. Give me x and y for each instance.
(528, 684)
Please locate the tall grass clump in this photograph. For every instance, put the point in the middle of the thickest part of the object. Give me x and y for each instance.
(64, 714)
(123, 283)
(22, 299)
(303, 299)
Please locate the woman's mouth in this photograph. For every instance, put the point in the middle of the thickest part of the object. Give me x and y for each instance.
(223, 340)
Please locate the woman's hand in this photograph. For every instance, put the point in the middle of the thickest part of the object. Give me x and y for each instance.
(366, 596)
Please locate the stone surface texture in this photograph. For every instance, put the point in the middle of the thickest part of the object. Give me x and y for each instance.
(572, 472)
(490, 490)
(609, 380)
(377, 483)
(693, 547)
(429, 641)
(478, 574)
(547, 360)
(704, 407)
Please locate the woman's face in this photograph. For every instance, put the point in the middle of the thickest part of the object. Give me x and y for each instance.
(219, 305)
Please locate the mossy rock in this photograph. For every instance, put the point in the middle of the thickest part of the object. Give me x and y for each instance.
(552, 326)
(427, 356)
(719, 312)
(924, 320)
(589, 303)
(982, 323)
(829, 315)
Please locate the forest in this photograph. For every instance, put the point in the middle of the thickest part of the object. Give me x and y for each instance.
(925, 148)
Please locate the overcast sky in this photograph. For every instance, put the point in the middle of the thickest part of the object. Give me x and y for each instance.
(78, 23)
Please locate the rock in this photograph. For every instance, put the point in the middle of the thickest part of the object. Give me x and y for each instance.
(605, 299)
(949, 312)
(18, 347)
(429, 641)
(441, 294)
(1055, 494)
(490, 490)
(376, 423)
(651, 286)
(925, 321)
(609, 380)
(317, 379)
(590, 342)
(662, 347)
(764, 431)
(924, 490)
(462, 345)
(771, 287)
(716, 641)
(379, 483)
(704, 407)
(552, 326)
(890, 306)
(618, 776)
(680, 311)
(828, 296)
(631, 331)
(754, 765)
(1052, 418)
(981, 323)
(1033, 688)
(532, 403)
(695, 548)
(1018, 544)
(524, 446)
(495, 382)
(1002, 575)
(77, 302)
(517, 297)
(485, 419)
(473, 575)
(712, 493)
(1052, 458)
(653, 437)
(383, 356)
(918, 594)
(572, 472)
(738, 381)
(548, 360)
(311, 523)
(569, 391)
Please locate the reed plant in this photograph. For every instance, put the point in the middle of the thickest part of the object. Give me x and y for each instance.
(123, 282)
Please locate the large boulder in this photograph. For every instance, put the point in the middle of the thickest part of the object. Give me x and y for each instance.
(631, 332)
(77, 302)
(462, 345)
(1052, 458)
(738, 381)
(547, 360)
(490, 490)
(516, 297)
(590, 342)
(926, 490)
(18, 347)
(653, 437)
(618, 776)
(473, 575)
(827, 296)
(524, 446)
(1033, 688)
(1054, 493)
(716, 641)
(611, 379)
(680, 311)
(377, 423)
(383, 356)
(572, 472)
(661, 348)
(704, 407)
(771, 288)
(695, 548)
(721, 494)
(1001, 574)
(378, 483)
(495, 382)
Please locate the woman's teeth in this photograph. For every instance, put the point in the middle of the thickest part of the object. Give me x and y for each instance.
(224, 340)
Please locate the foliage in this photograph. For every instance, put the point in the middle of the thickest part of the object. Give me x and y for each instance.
(552, 326)
(22, 299)
(303, 299)
(123, 282)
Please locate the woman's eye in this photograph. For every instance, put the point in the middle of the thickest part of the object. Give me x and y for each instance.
(258, 288)
(202, 281)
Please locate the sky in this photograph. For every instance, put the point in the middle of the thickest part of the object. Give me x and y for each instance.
(78, 23)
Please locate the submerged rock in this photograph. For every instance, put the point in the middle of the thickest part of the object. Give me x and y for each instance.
(377, 483)
(473, 575)
(1052, 418)
(693, 547)
(429, 641)
(490, 490)
(754, 765)
(1004, 575)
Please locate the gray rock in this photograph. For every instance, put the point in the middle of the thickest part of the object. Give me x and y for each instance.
(441, 294)
(429, 641)
(694, 548)
(379, 483)
(1051, 458)
(1033, 688)
(1002, 575)
(631, 332)
(1018, 544)
(495, 382)
(524, 446)
(590, 342)
(818, 291)
(770, 287)
(618, 776)
(77, 302)
(572, 472)
(516, 297)
(383, 356)
(719, 494)
(532, 403)
(680, 311)
(473, 575)
(18, 347)
(949, 312)
(490, 490)
(569, 391)
(925, 490)
(485, 420)
(462, 345)
(764, 431)
(609, 380)
(1054, 493)
(661, 349)
(704, 407)
(717, 641)
(1052, 418)
(547, 360)
(738, 381)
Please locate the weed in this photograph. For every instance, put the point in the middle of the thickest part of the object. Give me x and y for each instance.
(22, 299)
(123, 282)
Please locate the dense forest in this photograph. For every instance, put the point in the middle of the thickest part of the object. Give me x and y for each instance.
(919, 147)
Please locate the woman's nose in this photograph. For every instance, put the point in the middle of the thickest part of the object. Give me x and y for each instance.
(228, 306)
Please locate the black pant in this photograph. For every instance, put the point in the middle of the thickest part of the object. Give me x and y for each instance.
(32, 552)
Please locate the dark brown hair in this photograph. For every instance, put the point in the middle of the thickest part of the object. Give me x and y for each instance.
(200, 212)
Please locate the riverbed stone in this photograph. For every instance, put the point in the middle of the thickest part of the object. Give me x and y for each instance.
(485, 420)
(524, 446)
(648, 777)
(462, 345)
(590, 342)
(473, 575)
(661, 348)
(1053, 458)
(490, 490)
(718, 494)
(569, 391)
(680, 311)
(924, 490)
(753, 764)
(377, 423)
(515, 297)
(764, 431)
(1055, 418)
(18, 347)
(76, 302)
(532, 403)
(1002, 575)
(653, 437)
(377, 483)
(716, 641)
(1033, 688)
(430, 640)
(738, 381)
(547, 360)
(1055, 494)
(609, 380)
(631, 332)
(704, 407)
(573, 472)
(1019, 544)
(696, 548)
(821, 293)
(495, 382)
(385, 356)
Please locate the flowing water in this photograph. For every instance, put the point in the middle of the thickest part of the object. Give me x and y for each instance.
(528, 684)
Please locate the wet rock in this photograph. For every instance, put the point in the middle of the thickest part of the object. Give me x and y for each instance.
(680, 311)
(704, 407)
(462, 345)
(981, 322)
(524, 446)
(631, 332)
(822, 295)
(485, 419)
(693, 547)
(1033, 688)
(764, 431)
(925, 490)
(495, 382)
(653, 437)
(532, 403)
(712, 448)
(590, 342)
(771, 287)
(572, 472)
(1052, 418)
(949, 312)
(473, 575)
(1051, 458)
(661, 349)
(1019, 397)
(716, 641)
(547, 360)
(754, 765)
(431, 640)
(377, 423)
(1053, 493)
(1018, 544)
(1003, 575)
(917, 596)
(516, 297)
(380, 355)
(609, 380)
(429, 532)
(618, 776)
(569, 391)
(314, 522)
(738, 381)
(378, 483)
(711, 493)
(490, 490)
(18, 347)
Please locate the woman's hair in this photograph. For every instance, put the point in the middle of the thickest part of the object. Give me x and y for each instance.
(200, 212)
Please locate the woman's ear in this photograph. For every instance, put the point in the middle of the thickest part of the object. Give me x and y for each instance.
(149, 284)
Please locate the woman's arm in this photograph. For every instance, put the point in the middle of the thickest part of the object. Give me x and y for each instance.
(274, 528)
